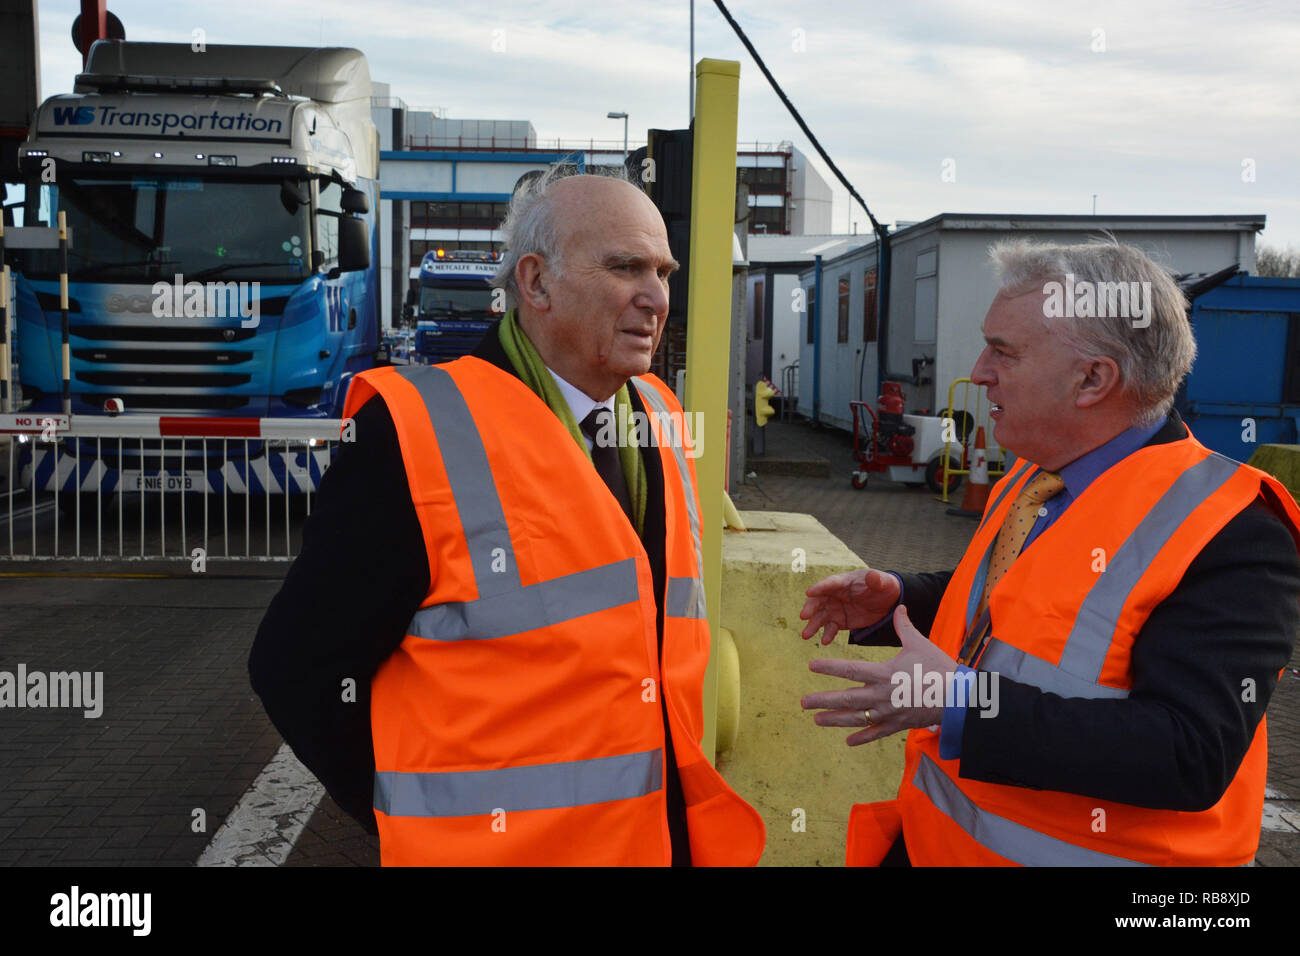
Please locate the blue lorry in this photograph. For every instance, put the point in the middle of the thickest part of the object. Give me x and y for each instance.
(456, 303)
(221, 206)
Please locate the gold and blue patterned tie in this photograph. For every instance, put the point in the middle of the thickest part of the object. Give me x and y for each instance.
(1025, 510)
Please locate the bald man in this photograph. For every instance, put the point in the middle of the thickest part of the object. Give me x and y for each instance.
(505, 565)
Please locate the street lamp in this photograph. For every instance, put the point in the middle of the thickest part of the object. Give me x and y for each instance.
(623, 117)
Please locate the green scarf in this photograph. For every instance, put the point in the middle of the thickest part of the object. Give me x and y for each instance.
(532, 370)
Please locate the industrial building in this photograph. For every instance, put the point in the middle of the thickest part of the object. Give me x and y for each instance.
(941, 286)
(444, 183)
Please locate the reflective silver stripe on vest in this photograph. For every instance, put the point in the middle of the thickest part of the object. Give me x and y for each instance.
(685, 595)
(1006, 838)
(1085, 651)
(685, 598)
(993, 506)
(548, 786)
(1094, 626)
(1013, 663)
(470, 477)
(527, 608)
(504, 606)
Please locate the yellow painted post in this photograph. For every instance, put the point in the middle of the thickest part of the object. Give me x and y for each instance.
(708, 326)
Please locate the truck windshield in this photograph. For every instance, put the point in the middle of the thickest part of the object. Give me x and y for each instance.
(457, 300)
(146, 228)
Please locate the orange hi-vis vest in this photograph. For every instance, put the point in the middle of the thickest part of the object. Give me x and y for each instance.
(1065, 623)
(519, 722)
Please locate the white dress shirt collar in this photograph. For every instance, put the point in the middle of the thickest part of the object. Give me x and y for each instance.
(580, 403)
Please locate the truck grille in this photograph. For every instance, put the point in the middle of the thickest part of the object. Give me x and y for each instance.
(160, 356)
(165, 379)
(162, 401)
(134, 333)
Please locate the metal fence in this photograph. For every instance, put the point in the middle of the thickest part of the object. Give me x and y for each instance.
(789, 391)
(517, 144)
(155, 487)
(969, 412)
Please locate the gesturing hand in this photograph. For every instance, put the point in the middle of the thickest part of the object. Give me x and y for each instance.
(850, 600)
(848, 708)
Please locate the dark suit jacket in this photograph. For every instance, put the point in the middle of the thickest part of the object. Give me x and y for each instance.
(1176, 742)
(349, 596)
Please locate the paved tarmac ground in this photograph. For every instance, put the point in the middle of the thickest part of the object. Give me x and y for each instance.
(181, 730)
(182, 738)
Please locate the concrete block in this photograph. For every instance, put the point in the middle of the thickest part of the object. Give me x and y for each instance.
(782, 762)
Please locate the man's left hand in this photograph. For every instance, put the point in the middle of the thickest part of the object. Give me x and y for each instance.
(848, 708)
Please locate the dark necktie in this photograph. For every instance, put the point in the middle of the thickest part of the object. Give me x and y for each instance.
(605, 456)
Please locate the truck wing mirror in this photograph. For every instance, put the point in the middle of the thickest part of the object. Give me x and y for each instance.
(354, 244)
(354, 200)
(291, 196)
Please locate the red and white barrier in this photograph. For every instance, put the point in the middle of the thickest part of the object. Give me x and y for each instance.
(170, 426)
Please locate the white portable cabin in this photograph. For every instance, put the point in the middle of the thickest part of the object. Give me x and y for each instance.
(941, 286)
(773, 320)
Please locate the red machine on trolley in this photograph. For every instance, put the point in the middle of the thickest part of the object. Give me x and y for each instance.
(907, 448)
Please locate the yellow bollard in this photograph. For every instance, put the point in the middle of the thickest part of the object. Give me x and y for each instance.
(708, 326)
(730, 516)
(728, 664)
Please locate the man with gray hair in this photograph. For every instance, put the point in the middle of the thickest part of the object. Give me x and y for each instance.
(1129, 598)
(508, 576)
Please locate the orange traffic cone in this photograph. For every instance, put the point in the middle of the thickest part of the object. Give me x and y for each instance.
(977, 485)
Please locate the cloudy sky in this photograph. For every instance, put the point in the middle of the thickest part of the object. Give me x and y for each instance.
(1157, 107)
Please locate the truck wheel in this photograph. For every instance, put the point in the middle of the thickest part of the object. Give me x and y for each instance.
(859, 479)
(934, 475)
